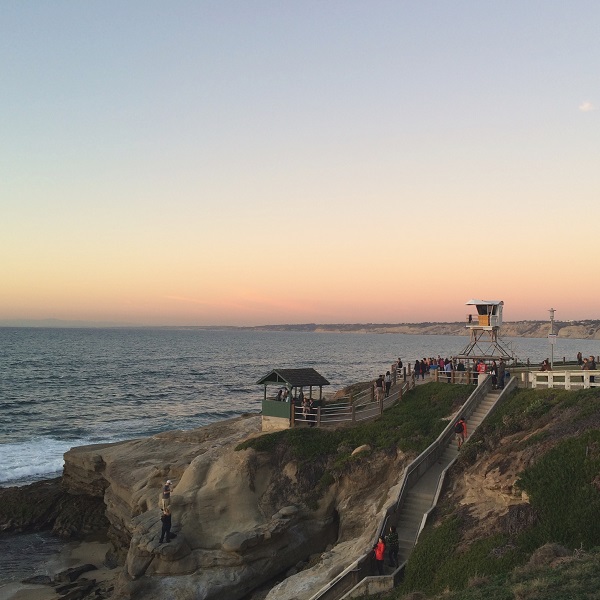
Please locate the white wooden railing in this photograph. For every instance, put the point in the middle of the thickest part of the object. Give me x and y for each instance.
(568, 380)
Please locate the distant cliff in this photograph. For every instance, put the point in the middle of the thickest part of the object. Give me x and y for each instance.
(582, 330)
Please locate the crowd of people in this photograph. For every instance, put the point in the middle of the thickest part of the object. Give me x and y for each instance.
(442, 369)
(587, 364)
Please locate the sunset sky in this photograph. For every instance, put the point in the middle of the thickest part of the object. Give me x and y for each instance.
(242, 163)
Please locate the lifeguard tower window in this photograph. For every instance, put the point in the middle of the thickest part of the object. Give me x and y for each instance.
(489, 313)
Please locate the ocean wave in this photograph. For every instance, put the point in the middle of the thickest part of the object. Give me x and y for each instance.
(24, 462)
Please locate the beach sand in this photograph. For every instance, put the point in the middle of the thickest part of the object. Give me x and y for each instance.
(73, 555)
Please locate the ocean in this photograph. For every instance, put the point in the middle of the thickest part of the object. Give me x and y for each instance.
(61, 388)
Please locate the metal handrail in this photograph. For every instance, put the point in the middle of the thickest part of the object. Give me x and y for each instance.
(426, 458)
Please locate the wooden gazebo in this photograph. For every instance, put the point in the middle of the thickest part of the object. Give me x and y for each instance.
(279, 415)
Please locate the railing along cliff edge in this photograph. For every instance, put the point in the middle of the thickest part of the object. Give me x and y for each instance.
(343, 583)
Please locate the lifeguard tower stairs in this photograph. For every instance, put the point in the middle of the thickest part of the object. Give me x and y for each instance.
(484, 324)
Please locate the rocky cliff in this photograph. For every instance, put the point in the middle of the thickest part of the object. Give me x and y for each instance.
(241, 518)
(587, 329)
(534, 329)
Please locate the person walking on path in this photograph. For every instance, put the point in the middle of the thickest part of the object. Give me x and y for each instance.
(501, 373)
(417, 370)
(166, 525)
(393, 546)
(494, 374)
(313, 407)
(379, 551)
(448, 369)
(166, 494)
(388, 383)
(460, 432)
(379, 388)
(481, 369)
(460, 367)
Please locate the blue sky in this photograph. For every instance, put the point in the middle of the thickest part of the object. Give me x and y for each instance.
(175, 162)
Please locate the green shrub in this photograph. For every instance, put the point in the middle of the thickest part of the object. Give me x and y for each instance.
(440, 562)
(562, 487)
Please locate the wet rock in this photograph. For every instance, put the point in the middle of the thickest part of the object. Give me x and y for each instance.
(73, 573)
(38, 580)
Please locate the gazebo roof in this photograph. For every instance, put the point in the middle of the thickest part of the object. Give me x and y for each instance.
(294, 377)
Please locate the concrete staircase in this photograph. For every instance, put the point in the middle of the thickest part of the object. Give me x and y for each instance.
(421, 496)
(420, 487)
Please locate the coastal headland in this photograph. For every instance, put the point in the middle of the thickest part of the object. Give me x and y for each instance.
(583, 330)
(247, 519)
(242, 518)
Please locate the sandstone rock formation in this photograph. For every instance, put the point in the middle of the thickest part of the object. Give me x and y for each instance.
(241, 518)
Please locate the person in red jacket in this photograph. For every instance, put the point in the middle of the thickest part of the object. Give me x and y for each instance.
(379, 551)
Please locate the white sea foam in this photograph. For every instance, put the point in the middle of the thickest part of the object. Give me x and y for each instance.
(24, 462)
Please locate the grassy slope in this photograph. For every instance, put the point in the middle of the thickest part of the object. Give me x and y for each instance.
(410, 425)
(560, 429)
(324, 455)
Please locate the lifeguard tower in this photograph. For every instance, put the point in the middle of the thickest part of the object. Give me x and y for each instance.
(484, 325)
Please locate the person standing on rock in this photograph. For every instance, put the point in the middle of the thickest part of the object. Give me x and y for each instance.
(166, 495)
(166, 525)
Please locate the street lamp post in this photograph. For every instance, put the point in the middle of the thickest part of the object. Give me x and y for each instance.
(552, 337)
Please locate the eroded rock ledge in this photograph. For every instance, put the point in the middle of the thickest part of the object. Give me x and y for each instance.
(241, 518)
